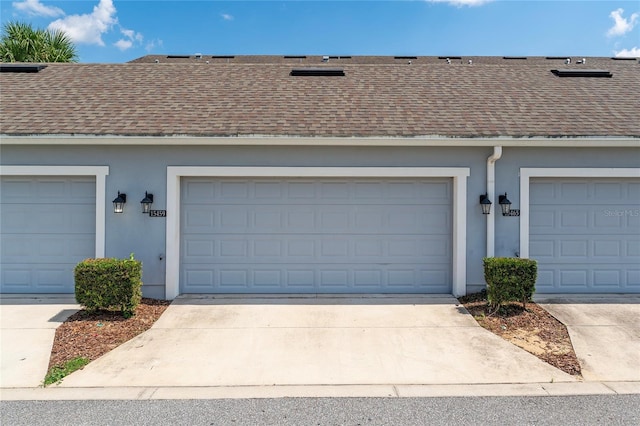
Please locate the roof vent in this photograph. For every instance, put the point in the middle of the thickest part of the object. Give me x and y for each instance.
(325, 59)
(405, 57)
(21, 68)
(582, 73)
(198, 55)
(581, 61)
(317, 72)
(178, 56)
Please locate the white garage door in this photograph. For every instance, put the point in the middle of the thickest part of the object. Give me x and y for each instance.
(47, 226)
(316, 236)
(585, 235)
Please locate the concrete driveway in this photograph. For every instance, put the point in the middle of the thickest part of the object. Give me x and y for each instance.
(605, 332)
(314, 341)
(27, 328)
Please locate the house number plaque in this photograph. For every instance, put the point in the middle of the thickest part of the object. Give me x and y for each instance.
(157, 213)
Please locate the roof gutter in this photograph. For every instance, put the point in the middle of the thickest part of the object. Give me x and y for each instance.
(491, 193)
(257, 140)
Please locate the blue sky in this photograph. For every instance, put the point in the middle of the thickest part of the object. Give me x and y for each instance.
(119, 31)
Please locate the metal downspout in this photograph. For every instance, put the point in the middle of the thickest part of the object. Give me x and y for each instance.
(491, 194)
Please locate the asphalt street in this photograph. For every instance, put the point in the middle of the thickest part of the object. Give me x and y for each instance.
(567, 410)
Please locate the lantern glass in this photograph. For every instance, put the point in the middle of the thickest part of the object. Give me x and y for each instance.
(505, 204)
(146, 202)
(118, 203)
(485, 204)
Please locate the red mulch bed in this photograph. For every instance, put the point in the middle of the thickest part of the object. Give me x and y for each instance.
(91, 335)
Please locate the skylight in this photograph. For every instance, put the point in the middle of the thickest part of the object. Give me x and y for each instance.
(317, 72)
(581, 73)
(21, 67)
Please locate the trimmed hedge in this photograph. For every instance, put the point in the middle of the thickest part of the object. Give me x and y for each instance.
(510, 279)
(102, 284)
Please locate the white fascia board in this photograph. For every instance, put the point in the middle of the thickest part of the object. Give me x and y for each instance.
(176, 173)
(589, 172)
(534, 142)
(99, 172)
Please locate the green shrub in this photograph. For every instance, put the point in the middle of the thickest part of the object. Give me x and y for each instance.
(102, 284)
(510, 279)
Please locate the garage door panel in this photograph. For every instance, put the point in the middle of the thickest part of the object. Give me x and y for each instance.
(608, 191)
(573, 192)
(47, 226)
(399, 191)
(573, 248)
(316, 249)
(316, 278)
(573, 278)
(602, 277)
(585, 235)
(316, 235)
(38, 248)
(542, 249)
(608, 248)
(46, 278)
(43, 218)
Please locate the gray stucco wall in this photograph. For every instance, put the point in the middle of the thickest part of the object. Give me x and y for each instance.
(136, 169)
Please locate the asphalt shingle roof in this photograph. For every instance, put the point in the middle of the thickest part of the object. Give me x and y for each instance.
(377, 97)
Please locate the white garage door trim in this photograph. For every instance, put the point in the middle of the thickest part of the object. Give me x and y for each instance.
(527, 173)
(99, 172)
(459, 175)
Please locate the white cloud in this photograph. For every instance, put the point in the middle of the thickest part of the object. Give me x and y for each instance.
(227, 17)
(131, 37)
(634, 52)
(123, 44)
(88, 28)
(460, 3)
(621, 25)
(152, 45)
(35, 8)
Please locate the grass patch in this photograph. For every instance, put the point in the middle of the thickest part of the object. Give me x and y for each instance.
(57, 373)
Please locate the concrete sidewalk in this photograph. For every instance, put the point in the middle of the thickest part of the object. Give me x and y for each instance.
(27, 328)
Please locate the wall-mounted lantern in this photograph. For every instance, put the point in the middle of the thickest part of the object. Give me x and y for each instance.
(119, 202)
(146, 202)
(485, 203)
(505, 204)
